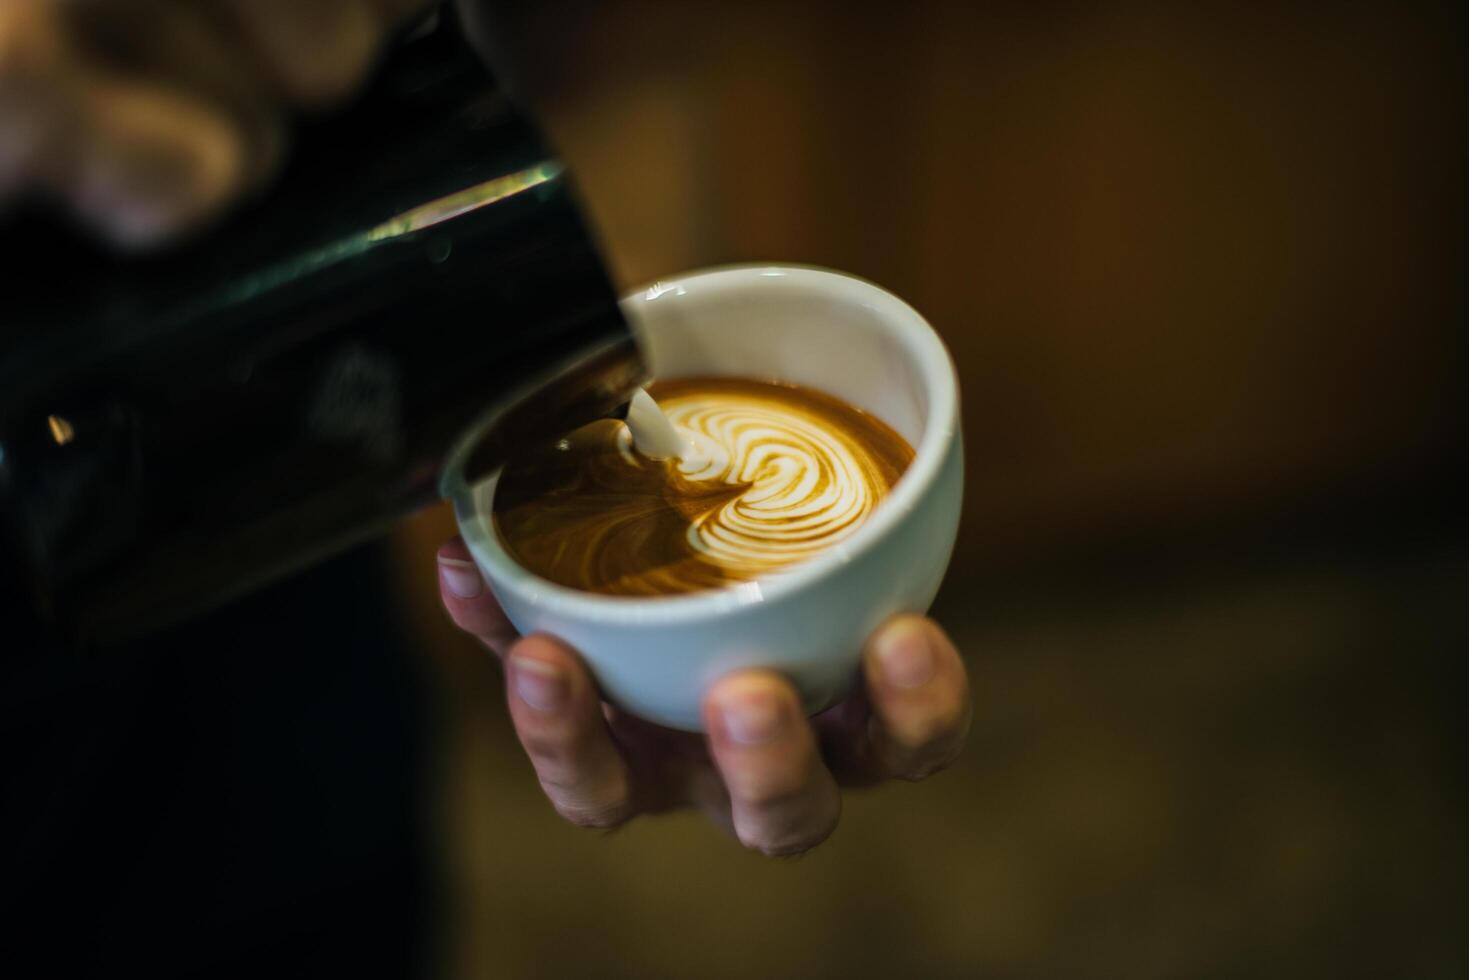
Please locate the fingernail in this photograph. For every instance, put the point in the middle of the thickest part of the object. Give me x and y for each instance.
(461, 577)
(751, 717)
(904, 655)
(540, 684)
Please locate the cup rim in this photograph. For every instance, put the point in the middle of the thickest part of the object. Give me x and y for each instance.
(936, 370)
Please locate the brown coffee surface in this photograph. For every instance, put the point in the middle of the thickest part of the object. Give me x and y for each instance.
(777, 473)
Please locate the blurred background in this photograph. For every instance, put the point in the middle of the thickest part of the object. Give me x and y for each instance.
(1201, 274)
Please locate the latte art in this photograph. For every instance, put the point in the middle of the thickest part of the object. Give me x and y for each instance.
(769, 476)
(806, 485)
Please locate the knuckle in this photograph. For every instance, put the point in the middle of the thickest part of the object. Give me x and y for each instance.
(591, 815)
(793, 848)
(774, 842)
(931, 757)
(918, 772)
(775, 796)
(602, 805)
(791, 823)
(945, 724)
(546, 748)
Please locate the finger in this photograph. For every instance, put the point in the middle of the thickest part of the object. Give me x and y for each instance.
(317, 52)
(469, 603)
(137, 155)
(192, 50)
(918, 690)
(144, 162)
(558, 717)
(782, 798)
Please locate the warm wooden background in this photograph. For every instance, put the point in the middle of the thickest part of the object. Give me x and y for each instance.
(1198, 270)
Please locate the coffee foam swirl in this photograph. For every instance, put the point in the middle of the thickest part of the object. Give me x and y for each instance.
(770, 475)
(807, 486)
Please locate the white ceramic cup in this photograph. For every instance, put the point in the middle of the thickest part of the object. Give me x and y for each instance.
(657, 656)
